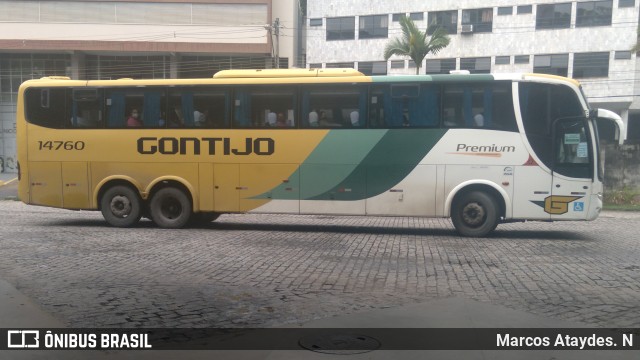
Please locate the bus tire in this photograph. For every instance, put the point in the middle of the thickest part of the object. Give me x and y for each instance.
(170, 208)
(121, 206)
(475, 214)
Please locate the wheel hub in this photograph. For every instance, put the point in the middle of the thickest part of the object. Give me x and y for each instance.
(473, 214)
(120, 206)
(171, 208)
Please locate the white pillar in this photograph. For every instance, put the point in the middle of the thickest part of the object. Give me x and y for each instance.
(173, 66)
(77, 66)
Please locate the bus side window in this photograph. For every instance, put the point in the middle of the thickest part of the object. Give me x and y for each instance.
(467, 106)
(484, 106)
(262, 107)
(48, 107)
(333, 106)
(148, 103)
(86, 108)
(198, 107)
(452, 106)
(501, 106)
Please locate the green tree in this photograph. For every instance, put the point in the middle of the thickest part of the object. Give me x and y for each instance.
(416, 44)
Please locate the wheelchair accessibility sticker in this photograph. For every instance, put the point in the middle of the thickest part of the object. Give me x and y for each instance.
(559, 204)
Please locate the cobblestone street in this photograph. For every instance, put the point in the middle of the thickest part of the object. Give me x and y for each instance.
(272, 270)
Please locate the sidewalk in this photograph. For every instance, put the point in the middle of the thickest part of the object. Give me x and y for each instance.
(16, 310)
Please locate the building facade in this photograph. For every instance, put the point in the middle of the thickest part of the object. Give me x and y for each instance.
(586, 40)
(110, 39)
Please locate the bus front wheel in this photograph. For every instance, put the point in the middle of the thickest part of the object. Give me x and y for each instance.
(475, 214)
(121, 206)
(170, 208)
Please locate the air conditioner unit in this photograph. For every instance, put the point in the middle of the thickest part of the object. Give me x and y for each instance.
(466, 29)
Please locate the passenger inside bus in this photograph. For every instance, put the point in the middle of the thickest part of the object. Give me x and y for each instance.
(313, 118)
(325, 121)
(134, 119)
(355, 118)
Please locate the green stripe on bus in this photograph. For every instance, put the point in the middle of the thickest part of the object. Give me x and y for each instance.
(358, 164)
(388, 163)
(332, 161)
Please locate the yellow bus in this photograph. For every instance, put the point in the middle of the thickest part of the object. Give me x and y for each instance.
(481, 149)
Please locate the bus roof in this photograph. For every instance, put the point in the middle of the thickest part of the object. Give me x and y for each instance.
(300, 76)
(286, 73)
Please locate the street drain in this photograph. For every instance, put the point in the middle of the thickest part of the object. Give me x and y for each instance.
(340, 344)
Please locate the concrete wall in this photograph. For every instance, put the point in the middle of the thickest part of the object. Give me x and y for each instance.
(622, 168)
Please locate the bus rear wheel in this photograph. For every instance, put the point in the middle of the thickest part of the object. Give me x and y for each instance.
(475, 214)
(170, 208)
(121, 206)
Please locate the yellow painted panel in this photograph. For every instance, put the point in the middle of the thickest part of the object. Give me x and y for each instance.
(226, 189)
(45, 180)
(258, 180)
(273, 146)
(75, 187)
(206, 186)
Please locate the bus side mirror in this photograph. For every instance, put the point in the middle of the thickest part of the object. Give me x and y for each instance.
(609, 115)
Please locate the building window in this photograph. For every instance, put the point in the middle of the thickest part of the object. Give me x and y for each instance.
(521, 59)
(481, 65)
(594, 13)
(397, 64)
(525, 9)
(145, 67)
(373, 67)
(416, 16)
(315, 22)
(17, 68)
(626, 3)
(348, 65)
(503, 60)
(586, 65)
(480, 19)
(440, 66)
(623, 55)
(376, 26)
(315, 66)
(505, 10)
(445, 19)
(397, 17)
(557, 64)
(341, 28)
(553, 16)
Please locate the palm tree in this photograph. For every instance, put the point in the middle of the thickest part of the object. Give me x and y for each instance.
(415, 43)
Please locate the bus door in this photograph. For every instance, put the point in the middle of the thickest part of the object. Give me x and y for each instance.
(226, 188)
(75, 187)
(572, 169)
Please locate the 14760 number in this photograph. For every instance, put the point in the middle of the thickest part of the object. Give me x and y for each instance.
(60, 145)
